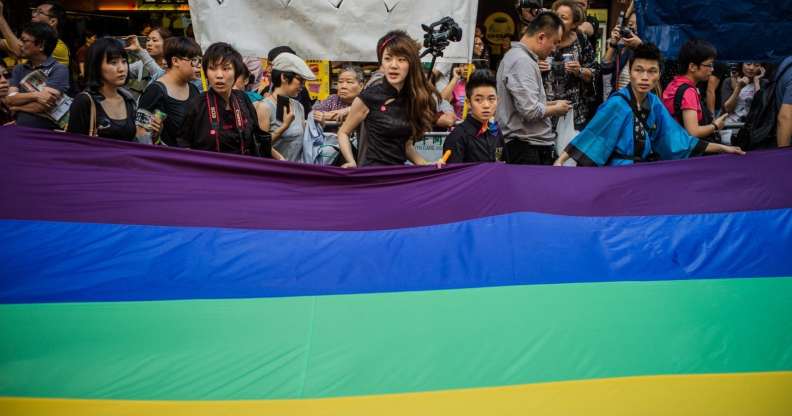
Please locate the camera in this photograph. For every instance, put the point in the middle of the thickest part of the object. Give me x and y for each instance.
(442, 36)
(626, 32)
(438, 36)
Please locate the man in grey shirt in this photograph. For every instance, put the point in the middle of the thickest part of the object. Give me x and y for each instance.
(38, 42)
(523, 112)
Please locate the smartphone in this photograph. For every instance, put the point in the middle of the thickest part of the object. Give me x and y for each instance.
(280, 109)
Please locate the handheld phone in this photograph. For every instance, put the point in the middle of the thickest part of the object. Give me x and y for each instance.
(280, 109)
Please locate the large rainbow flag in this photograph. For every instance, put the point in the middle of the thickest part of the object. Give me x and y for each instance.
(155, 281)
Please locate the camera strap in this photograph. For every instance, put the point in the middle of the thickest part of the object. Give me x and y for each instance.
(215, 123)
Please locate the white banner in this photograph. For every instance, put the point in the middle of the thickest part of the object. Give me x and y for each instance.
(337, 30)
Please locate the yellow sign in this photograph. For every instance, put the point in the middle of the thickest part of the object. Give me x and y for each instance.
(500, 29)
(600, 14)
(319, 89)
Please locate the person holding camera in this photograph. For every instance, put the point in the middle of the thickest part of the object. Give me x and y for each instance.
(454, 92)
(523, 113)
(590, 26)
(573, 64)
(739, 90)
(621, 45)
(527, 10)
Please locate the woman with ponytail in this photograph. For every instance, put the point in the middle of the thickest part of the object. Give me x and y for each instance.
(396, 108)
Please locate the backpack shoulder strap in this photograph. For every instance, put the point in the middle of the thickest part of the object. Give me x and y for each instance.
(678, 97)
(782, 73)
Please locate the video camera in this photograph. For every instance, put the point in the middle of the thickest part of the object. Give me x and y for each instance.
(624, 31)
(438, 36)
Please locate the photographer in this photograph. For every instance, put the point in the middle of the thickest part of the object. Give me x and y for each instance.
(574, 65)
(523, 112)
(624, 39)
(527, 10)
(739, 91)
(454, 92)
(590, 27)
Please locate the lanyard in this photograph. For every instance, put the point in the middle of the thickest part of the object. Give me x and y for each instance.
(214, 120)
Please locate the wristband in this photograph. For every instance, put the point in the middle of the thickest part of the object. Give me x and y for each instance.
(715, 127)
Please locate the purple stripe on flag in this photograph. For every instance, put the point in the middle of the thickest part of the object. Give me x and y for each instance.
(61, 177)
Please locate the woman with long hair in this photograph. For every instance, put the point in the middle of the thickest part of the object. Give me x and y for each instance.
(397, 108)
(105, 108)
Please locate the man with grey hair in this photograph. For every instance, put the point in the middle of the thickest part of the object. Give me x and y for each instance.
(336, 107)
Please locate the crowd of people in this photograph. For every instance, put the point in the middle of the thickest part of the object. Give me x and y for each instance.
(550, 101)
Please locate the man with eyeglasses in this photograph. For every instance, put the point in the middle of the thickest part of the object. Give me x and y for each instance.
(681, 97)
(633, 126)
(50, 13)
(174, 93)
(38, 42)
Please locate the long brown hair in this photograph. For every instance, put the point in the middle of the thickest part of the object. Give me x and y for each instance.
(421, 104)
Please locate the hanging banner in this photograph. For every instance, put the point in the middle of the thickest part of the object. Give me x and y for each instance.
(337, 30)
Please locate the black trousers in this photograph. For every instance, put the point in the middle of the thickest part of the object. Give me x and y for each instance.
(518, 152)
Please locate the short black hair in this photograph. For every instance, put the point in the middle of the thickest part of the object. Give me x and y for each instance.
(56, 10)
(480, 78)
(103, 49)
(694, 51)
(274, 52)
(223, 52)
(180, 47)
(245, 73)
(544, 22)
(276, 77)
(647, 51)
(44, 35)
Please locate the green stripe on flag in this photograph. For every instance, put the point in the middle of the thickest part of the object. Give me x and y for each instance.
(330, 346)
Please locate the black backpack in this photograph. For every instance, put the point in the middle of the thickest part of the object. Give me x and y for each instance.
(759, 131)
